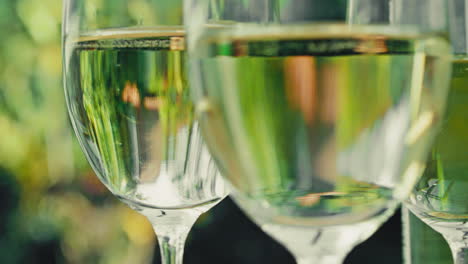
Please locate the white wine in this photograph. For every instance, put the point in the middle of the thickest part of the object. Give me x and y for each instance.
(129, 102)
(440, 197)
(319, 125)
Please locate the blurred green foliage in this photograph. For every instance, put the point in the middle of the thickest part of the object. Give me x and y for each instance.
(53, 208)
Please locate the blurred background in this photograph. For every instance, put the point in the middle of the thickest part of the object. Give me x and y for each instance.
(54, 210)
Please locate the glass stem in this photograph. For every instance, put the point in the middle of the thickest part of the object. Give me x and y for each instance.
(329, 244)
(460, 255)
(172, 228)
(337, 259)
(172, 247)
(459, 246)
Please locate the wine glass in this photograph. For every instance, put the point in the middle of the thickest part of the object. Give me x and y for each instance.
(320, 117)
(440, 198)
(128, 99)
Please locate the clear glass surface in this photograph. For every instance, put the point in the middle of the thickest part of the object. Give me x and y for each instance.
(440, 197)
(321, 118)
(421, 243)
(129, 101)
